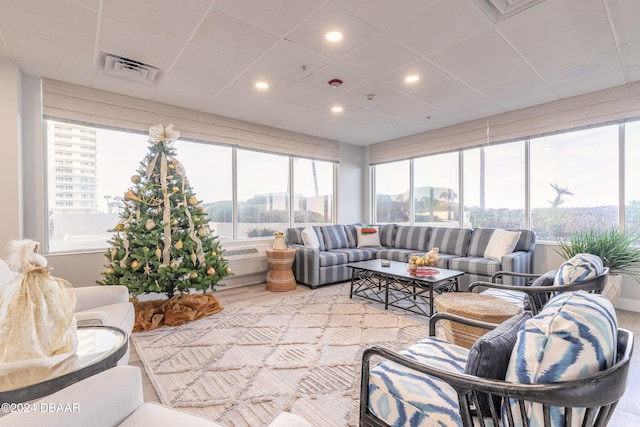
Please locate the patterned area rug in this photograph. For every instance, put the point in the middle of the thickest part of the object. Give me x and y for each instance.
(301, 354)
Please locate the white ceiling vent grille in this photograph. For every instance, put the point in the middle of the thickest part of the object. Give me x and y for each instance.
(502, 9)
(129, 69)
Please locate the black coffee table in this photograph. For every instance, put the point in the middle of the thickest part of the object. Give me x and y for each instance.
(394, 286)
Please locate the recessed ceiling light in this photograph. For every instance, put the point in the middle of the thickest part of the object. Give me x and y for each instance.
(336, 109)
(334, 36)
(412, 78)
(262, 85)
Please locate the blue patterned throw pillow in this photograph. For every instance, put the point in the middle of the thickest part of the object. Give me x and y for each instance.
(574, 336)
(579, 268)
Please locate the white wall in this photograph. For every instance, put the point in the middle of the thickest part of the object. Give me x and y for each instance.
(10, 123)
(350, 184)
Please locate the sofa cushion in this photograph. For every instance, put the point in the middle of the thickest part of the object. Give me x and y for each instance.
(403, 397)
(572, 337)
(489, 356)
(411, 237)
(475, 265)
(580, 267)
(294, 236)
(310, 237)
(332, 258)
(453, 241)
(352, 237)
(526, 242)
(357, 254)
(334, 236)
(479, 241)
(400, 255)
(502, 242)
(367, 239)
(387, 234)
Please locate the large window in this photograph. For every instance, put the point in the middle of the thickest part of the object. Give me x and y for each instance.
(312, 192)
(574, 182)
(263, 193)
(392, 192)
(90, 169)
(632, 177)
(435, 190)
(494, 186)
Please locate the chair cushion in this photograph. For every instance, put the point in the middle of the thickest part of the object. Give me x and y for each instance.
(502, 242)
(572, 337)
(580, 267)
(489, 356)
(403, 397)
(547, 279)
(335, 237)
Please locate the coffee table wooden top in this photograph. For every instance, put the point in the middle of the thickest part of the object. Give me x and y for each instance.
(401, 269)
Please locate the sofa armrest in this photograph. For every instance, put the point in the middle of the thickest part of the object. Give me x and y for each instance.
(517, 262)
(306, 265)
(96, 296)
(106, 398)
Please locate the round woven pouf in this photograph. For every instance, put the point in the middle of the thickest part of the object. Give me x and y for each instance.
(280, 277)
(472, 306)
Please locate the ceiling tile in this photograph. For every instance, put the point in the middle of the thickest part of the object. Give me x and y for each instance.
(462, 103)
(502, 70)
(89, 4)
(385, 14)
(289, 60)
(122, 86)
(166, 17)
(550, 20)
(439, 26)
(527, 99)
(589, 66)
(381, 94)
(571, 48)
(407, 108)
(56, 19)
(238, 103)
(57, 71)
(590, 84)
(246, 83)
(116, 38)
(473, 52)
(293, 127)
(351, 79)
(273, 112)
(190, 92)
(304, 96)
(232, 38)
(427, 72)
(440, 91)
(278, 17)
(332, 17)
(208, 66)
(529, 87)
(628, 30)
(379, 57)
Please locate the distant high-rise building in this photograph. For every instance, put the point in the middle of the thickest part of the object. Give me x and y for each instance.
(72, 166)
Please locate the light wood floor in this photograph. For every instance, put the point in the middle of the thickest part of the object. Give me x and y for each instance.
(627, 413)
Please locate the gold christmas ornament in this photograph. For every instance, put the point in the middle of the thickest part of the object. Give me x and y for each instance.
(194, 258)
(203, 232)
(110, 270)
(200, 209)
(175, 189)
(119, 227)
(127, 225)
(171, 166)
(150, 224)
(193, 275)
(228, 270)
(174, 265)
(158, 253)
(114, 252)
(211, 271)
(178, 244)
(192, 201)
(213, 253)
(135, 264)
(135, 179)
(174, 221)
(131, 196)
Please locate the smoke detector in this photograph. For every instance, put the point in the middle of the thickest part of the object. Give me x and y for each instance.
(335, 82)
(370, 96)
(129, 69)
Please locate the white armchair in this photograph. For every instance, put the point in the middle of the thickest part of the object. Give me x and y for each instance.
(112, 398)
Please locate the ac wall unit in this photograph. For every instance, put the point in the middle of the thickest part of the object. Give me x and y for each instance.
(244, 261)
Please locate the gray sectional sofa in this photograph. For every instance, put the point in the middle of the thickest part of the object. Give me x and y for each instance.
(461, 249)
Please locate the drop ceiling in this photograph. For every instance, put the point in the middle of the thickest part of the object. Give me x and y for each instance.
(472, 61)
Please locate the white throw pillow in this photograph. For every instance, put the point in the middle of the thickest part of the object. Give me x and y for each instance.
(368, 240)
(310, 238)
(502, 242)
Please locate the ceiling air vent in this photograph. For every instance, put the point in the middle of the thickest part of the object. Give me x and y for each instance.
(502, 9)
(128, 69)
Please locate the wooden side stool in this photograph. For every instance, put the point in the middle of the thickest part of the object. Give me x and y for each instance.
(472, 306)
(280, 277)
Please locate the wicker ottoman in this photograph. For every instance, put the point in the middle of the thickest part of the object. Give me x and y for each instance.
(473, 306)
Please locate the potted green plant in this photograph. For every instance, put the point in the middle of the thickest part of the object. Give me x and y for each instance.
(619, 250)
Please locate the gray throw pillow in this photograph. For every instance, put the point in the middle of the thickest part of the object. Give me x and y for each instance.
(489, 356)
(547, 279)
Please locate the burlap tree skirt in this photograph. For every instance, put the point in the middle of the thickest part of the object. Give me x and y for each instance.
(174, 311)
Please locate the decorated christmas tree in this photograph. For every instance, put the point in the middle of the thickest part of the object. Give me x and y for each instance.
(163, 242)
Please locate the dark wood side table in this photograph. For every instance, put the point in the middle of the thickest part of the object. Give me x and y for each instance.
(280, 277)
(99, 348)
